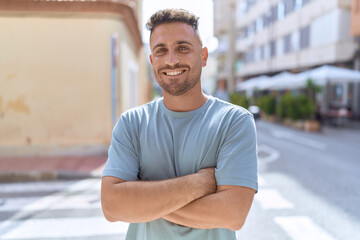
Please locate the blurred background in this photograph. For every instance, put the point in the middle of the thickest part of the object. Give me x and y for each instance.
(69, 68)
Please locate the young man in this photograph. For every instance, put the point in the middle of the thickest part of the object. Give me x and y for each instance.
(183, 166)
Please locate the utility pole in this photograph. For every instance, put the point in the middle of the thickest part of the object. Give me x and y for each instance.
(232, 47)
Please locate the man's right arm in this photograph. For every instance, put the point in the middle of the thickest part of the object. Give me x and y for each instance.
(144, 201)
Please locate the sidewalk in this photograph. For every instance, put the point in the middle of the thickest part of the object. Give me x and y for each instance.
(50, 168)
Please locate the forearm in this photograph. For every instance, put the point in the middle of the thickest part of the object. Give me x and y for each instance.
(143, 201)
(223, 209)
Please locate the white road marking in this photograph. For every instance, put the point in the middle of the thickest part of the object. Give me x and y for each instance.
(297, 139)
(83, 194)
(302, 227)
(261, 181)
(51, 202)
(88, 184)
(64, 199)
(272, 199)
(60, 228)
(34, 187)
(272, 154)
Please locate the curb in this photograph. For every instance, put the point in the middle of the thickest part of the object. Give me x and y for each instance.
(32, 176)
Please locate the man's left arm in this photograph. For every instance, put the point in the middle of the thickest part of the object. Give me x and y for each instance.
(227, 208)
(236, 177)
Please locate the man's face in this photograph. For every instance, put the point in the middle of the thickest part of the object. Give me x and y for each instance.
(177, 57)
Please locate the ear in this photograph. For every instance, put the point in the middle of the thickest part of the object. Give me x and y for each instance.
(150, 57)
(204, 54)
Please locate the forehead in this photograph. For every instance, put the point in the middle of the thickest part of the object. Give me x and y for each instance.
(170, 33)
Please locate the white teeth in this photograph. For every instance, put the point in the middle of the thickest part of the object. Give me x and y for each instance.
(173, 73)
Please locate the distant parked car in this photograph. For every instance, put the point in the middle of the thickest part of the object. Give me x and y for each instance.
(255, 110)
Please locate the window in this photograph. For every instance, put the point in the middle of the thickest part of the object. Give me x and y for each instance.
(249, 56)
(338, 93)
(280, 11)
(258, 54)
(279, 47)
(305, 37)
(273, 48)
(295, 41)
(265, 20)
(304, 2)
(241, 7)
(262, 52)
(298, 4)
(287, 44)
(250, 3)
(267, 51)
(259, 25)
(243, 33)
(289, 6)
(274, 10)
(250, 30)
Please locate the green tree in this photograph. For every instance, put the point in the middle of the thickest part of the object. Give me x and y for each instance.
(267, 104)
(240, 100)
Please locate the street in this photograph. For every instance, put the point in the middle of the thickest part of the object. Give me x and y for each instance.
(308, 189)
(308, 185)
(56, 210)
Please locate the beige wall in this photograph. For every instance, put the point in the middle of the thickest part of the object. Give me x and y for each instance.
(55, 79)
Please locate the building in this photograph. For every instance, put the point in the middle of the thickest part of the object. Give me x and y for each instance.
(355, 18)
(277, 35)
(287, 35)
(68, 69)
(225, 32)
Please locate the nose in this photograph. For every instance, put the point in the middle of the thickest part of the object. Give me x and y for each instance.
(172, 58)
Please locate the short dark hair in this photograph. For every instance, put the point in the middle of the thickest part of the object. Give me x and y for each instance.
(172, 15)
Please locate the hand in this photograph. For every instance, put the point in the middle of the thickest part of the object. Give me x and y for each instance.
(208, 180)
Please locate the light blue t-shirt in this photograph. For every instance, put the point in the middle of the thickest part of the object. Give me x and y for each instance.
(152, 142)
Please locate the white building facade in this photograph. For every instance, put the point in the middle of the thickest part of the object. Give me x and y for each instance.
(266, 37)
(277, 35)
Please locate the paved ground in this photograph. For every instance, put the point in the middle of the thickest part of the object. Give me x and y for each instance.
(55, 210)
(48, 168)
(307, 190)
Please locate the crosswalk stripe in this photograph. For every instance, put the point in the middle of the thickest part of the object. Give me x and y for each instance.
(86, 201)
(272, 199)
(58, 215)
(261, 181)
(302, 227)
(69, 186)
(60, 228)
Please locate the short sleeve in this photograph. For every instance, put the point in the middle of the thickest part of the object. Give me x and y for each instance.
(237, 162)
(122, 159)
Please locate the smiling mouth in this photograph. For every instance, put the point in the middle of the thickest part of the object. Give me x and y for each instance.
(174, 73)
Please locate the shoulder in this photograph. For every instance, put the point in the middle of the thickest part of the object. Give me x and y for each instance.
(131, 120)
(229, 110)
(138, 113)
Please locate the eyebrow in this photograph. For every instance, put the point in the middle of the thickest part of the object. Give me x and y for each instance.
(178, 43)
(184, 42)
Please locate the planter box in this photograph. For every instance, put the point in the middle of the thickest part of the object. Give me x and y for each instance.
(311, 126)
(298, 124)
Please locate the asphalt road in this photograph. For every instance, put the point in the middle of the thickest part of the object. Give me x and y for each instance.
(309, 189)
(309, 185)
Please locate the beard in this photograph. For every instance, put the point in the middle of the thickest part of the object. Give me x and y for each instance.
(176, 88)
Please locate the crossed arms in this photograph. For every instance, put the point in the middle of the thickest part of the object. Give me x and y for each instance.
(193, 200)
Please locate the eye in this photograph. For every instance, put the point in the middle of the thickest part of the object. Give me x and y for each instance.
(183, 48)
(160, 50)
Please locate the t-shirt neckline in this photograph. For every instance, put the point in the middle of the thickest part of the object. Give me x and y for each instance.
(174, 114)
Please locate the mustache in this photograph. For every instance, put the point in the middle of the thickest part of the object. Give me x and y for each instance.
(168, 67)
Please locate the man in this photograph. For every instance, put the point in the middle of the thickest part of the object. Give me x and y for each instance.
(220, 91)
(183, 166)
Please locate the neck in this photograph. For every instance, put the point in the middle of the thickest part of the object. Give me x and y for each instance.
(189, 101)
